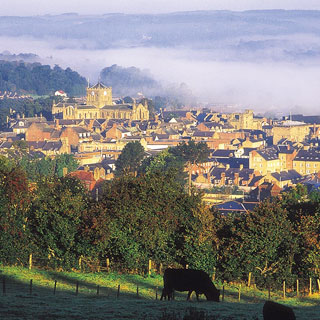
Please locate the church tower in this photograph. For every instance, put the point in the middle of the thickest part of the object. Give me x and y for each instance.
(99, 95)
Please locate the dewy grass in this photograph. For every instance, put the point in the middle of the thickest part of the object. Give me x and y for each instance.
(98, 298)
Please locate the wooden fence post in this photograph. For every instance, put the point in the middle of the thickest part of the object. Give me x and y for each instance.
(30, 261)
(239, 293)
(249, 279)
(318, 281)
(30, 287)
(108, 264)
(77, 288)
(55, 287)
(138, 292)
(297, 287)
(149, 267)
(310, 286)
(284, 289)
(223, 293)
(118, 292)
(80, 263)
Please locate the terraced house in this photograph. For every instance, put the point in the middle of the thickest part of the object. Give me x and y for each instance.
(265, 161)
(307, 162)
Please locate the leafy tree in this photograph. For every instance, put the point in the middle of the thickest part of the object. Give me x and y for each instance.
(55, 220)
(14, 203)
(191, 153)
(131, 228)
(268, 243)
(164, 162)
(129, 159)
(65, 161)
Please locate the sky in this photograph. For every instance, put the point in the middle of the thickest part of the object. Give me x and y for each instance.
(40, 7)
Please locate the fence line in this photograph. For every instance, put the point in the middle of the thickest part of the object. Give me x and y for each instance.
(10, 286)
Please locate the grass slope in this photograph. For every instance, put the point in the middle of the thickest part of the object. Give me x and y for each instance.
(132, 303)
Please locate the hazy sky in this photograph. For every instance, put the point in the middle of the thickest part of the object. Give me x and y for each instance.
(39, 7)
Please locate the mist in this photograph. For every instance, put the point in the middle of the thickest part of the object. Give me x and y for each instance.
(262, 70)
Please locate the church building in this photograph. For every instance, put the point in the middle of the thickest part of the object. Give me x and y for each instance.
(99, 105)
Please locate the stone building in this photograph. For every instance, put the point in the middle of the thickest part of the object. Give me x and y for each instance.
(245, 120)
(99, 105)
(292, 130)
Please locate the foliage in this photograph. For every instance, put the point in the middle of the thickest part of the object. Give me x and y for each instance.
(127, 226)
(39, 79)
(15, 200)
(55, 219)
(37, 167)
(191, 152)
(268, 243)
(129, 159)
(28, 107)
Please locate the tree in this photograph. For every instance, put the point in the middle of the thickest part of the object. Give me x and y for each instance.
(56, 220)
(15, 199)
(129, 159)
(147, 217)
(191, 153)
(164, 163)
(268, 243)
(65, 161)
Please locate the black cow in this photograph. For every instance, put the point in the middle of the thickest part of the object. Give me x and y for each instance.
(188, 280)
(277, 311)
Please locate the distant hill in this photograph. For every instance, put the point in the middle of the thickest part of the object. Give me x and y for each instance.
(128, 81)
(35, 78)
(135, 82)
(243, 35)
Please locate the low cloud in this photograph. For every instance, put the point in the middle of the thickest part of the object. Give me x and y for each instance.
(263, 80)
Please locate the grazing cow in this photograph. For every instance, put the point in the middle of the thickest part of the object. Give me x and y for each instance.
(188, 280)
(277, 311)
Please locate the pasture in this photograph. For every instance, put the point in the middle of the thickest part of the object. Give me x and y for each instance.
(75, 295)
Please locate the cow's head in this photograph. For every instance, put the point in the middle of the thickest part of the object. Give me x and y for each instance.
(213, 295)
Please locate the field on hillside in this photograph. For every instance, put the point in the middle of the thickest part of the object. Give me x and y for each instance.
(77, 295)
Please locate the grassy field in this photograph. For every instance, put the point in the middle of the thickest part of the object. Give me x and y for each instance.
(98, 297)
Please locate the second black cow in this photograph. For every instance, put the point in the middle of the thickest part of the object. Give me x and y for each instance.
(189, 280)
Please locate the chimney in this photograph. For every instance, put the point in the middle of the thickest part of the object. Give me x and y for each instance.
(236, 178)
(96, 174)
(223, 178)
(90, 125)
(57, 124)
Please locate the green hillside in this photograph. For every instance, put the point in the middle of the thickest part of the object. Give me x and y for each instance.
(38, 79)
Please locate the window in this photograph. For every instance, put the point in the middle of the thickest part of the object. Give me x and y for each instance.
(308, 165)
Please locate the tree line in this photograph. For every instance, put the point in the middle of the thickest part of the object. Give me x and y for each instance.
(147, 212)
(38, 79)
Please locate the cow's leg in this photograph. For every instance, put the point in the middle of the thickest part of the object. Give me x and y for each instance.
(164, 294)
(189, 295)
(197, 294)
